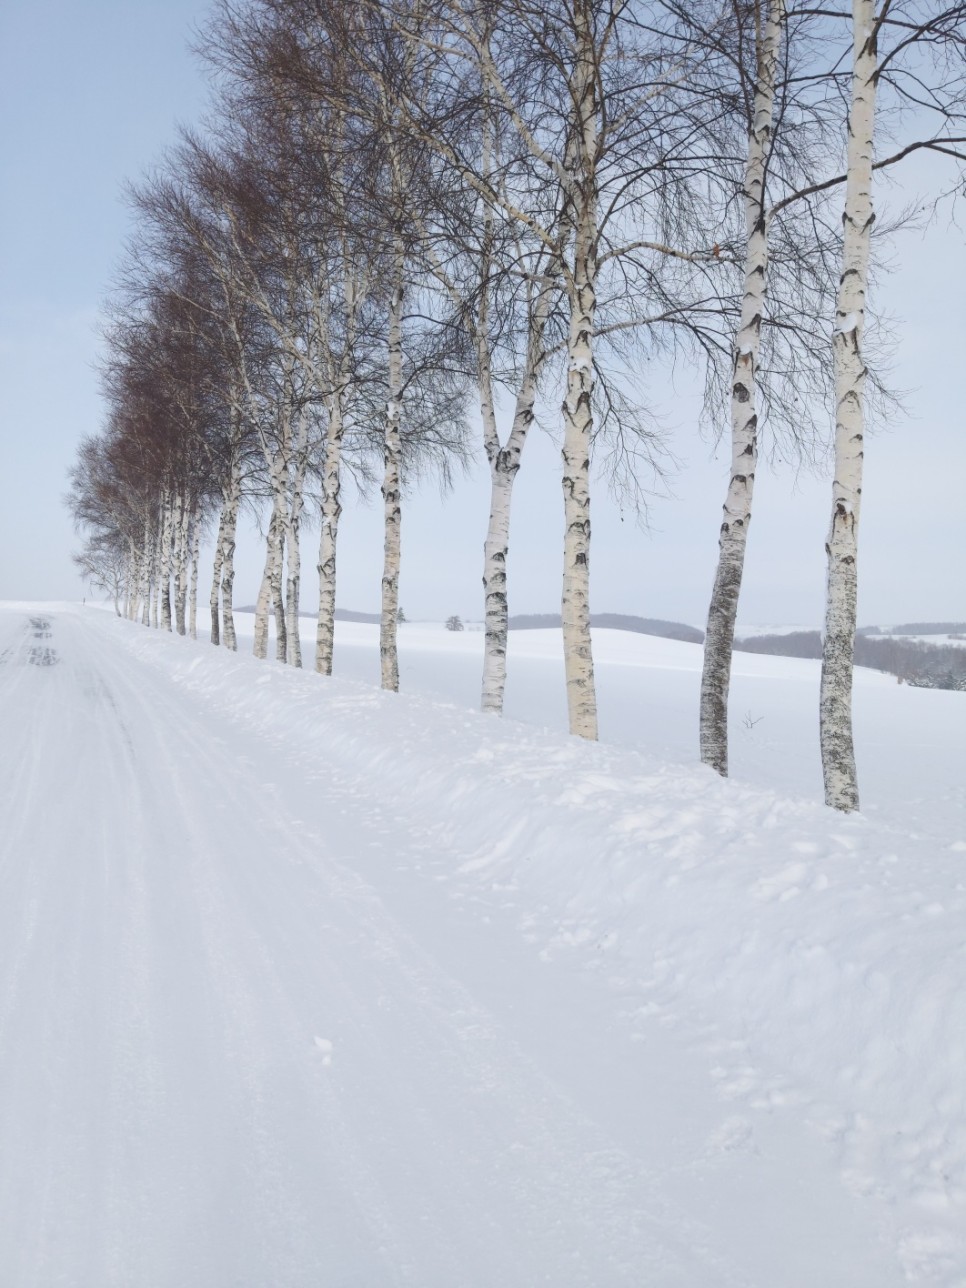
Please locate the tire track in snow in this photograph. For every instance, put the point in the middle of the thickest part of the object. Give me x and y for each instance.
(473, 1057)
(168, 1116)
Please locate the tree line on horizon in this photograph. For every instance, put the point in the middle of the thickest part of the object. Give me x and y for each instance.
(399, 209)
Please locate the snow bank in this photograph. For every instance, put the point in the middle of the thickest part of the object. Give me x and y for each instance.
(818, 960)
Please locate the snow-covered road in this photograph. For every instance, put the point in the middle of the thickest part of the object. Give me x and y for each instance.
(247, 1039)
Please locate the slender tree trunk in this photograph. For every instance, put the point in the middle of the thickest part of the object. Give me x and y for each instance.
(130, 583)
(391, 486)
(504, 467)
(193, 598)
(331, 512)
(294, 561)
(228, 556)
(144, 590)
(504, 464)
(213, 598)
(164, 589)
(578, 423)
(578, 401)
(182, 521)
(156, 570)
(263, 603)
(838, 753)
(131, 575)
(278, 602)
(496, 608)
(140, 558)
(292, 585)
(733, 538)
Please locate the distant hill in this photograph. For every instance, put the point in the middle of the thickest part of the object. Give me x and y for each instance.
(347, 615)
(615, 622)
(341, 614)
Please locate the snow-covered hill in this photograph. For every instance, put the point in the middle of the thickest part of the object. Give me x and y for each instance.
(911, 742)
(303, 983)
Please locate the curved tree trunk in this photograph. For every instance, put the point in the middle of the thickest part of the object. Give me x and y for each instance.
(838, 753)
(733, 538)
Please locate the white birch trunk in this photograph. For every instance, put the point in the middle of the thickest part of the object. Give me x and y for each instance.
(213, 598)
(193, 594)
(838, 754)
(156, 571)
(145, 587)
(164, 572)
(142, 562)
(182, 520)
(578, 401)
(223, 570)
(292, 584)
(733, 538)
(228, 558)
(504, 467)
(270, 591)
(131, 579)
(153, 600)
(496, 607)
(130, 567)
(264, 600)
(331, 512)
(276, 580)
(391, 487)
(294, 559)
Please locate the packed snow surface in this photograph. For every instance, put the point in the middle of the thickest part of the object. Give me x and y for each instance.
(306, 984)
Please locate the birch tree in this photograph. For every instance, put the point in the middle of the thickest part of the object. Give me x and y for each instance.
(838, 754)
(601, 144)
(945, 32)
(498, 291)
(719, 637)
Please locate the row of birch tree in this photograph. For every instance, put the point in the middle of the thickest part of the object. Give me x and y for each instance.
(407, 217)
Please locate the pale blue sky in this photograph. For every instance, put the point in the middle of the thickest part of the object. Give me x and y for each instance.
(90, 95)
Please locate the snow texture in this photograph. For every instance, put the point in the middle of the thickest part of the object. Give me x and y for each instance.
(305, 983)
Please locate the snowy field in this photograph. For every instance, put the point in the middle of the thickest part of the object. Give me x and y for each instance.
(306, 984)
(648, 694)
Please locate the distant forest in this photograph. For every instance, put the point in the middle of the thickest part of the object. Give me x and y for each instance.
(925, 628)
(928, 666)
